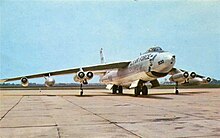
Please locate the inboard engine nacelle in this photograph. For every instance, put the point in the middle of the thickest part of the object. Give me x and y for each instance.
(83, 76)
(179, 77)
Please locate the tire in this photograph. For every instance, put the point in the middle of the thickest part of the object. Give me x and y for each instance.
(120, 90)
(177, 92)
(137, 91)
(144, 90)
(114, 89)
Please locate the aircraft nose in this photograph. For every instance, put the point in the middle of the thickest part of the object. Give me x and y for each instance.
(173, 59)
(165, 62)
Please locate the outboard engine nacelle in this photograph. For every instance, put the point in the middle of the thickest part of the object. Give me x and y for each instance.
(207, 80)
(24, 82)
(198, 80)
(179, 77)
(49, 81)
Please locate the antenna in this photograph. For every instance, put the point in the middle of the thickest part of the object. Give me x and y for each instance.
(102, 56)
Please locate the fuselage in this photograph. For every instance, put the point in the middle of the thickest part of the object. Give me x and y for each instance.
(146, 67)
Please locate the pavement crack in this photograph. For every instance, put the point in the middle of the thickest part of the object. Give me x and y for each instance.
(30, 126)
(58, 131)
(163, 109)
(57, 126)
(110, 122)
(11, 108)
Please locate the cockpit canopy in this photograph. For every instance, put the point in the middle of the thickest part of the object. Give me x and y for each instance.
(155, 49)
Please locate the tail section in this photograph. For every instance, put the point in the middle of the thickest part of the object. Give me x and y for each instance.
(102, 57)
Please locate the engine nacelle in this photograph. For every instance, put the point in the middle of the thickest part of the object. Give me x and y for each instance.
(195, 81)
(24, 82)
(179, 77)
(49, 81)
(192, 75)
(83, 77)
(79, 77)
(89, 75)
(198, 80)
(206, 80)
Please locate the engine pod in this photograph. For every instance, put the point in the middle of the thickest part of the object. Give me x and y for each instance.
(24, 82)
(89, 75)
(49, 82)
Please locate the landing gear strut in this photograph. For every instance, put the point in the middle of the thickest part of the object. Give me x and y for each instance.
(81, 89)
(176, 88)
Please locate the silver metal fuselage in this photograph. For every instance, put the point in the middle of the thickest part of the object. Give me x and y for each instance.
(146, 67)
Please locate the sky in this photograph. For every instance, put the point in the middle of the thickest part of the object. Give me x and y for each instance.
(39, 36)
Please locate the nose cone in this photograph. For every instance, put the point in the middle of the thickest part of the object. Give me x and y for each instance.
(172, 59)
(164, 62)
(169, 59)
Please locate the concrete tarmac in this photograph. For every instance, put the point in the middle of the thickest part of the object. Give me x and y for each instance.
(62, 113)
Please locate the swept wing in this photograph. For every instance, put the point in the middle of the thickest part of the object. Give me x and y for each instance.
(97, 69)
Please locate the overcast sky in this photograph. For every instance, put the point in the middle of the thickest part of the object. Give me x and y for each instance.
(39, 36)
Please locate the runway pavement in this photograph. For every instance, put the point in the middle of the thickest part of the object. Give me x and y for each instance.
(62, 113)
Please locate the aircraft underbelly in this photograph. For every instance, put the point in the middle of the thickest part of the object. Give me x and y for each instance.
(126, 80)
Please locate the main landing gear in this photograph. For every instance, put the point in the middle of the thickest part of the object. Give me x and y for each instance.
(116, 88)
(141, 88)
(176, 88)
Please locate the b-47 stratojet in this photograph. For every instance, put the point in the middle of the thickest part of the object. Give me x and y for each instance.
(148, 67)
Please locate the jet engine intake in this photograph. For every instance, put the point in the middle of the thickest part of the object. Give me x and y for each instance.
(83, 77)
(179, 77)
(207, 80)
(49, 81)
(24, 82)
(79, 77)
(192, 75)
(89, 75)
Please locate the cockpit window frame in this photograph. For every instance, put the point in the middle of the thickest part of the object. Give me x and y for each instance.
(155, 49)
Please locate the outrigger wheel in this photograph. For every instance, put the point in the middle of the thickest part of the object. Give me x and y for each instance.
(81, 90)
(176, 88)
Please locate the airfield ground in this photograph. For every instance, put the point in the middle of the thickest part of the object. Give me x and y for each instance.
(62, 113)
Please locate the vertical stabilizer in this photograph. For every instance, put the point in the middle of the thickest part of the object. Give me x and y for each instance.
(102, 56)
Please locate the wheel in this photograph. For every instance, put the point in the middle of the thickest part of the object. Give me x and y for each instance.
(144, 90)
(114, 89)
(177, 92)
(137, 91)
(81, 93)
(120, 90)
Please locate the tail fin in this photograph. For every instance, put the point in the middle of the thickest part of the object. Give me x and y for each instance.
(102, 57)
